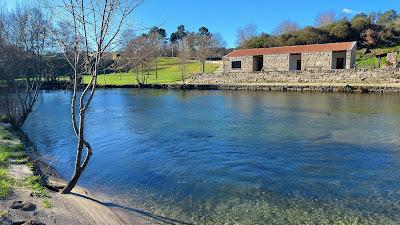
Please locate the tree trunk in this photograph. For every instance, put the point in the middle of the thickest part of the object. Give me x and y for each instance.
(77, 174)
(72, 183)
(183, 72)
(79, 167)
(203, 66)
(156, 69)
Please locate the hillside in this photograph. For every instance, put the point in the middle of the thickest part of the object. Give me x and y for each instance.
(368, 60)
(168, 72)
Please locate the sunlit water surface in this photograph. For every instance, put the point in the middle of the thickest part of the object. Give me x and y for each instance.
(234, 157)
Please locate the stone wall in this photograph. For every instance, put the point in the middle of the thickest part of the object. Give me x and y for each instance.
(365, 76)
(283, 62)
(293, 58)
(391, 60)
(351, 58)
(316, 60)
(247, 64)
(276, 62)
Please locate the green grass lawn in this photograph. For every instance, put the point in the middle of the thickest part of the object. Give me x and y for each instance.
(16, 152)
(369, 60)
(168, 72)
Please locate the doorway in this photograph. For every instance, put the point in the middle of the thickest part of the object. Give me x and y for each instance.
(258, 63)
(339, 60)
(295, 62)
(298, 66)
(340, 63)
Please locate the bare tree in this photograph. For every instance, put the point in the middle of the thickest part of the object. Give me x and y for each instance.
(158, 37)
(285, 27)
(369, 37)
(245, 33)
(204, 42)
(325, 18)
(139, 55)
(23, 40)
(95, 25)
(218, 41)
(218, 49)
(185, 53)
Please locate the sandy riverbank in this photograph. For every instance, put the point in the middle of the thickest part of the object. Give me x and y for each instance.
(24, 206)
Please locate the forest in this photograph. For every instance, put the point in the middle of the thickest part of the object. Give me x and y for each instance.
(369, 30)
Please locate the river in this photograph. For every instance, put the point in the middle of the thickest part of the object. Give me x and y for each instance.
(242, 157)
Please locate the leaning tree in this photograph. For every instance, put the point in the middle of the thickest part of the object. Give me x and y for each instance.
(95, 26)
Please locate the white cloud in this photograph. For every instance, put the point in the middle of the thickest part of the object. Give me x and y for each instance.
(349, 11)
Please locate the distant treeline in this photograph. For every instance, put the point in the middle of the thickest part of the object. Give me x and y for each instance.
(369, 30)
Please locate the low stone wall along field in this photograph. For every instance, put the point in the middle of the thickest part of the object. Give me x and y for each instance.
(348, 76)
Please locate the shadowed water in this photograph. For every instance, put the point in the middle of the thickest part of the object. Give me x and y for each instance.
(235, 157)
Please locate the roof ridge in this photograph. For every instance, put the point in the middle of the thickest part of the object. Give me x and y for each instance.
(340, 46)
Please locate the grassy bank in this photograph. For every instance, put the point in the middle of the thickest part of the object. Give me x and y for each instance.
(13, 154)
(368, 60)
(168, 72)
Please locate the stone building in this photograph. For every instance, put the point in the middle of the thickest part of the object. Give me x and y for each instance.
(292, 58)
(391, 60)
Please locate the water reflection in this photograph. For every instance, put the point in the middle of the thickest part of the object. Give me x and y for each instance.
(232, 156)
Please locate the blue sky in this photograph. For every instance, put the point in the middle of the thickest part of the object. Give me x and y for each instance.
(225, 16)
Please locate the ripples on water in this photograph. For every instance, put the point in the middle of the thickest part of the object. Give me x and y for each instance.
(235, 157)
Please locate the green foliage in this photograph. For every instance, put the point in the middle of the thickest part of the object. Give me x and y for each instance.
(11, 152)
(369, 60)
(17, 148)
(4, 134)
(34, 182)
(3, 118)
(4, 183)
(168, 72)
(360, 22)
(179, 34)
(47, 204)
(374, 30)
(17, 153)
(23, 160)
(4, 188)
(339, 30)
(387, 19)
(5, 154)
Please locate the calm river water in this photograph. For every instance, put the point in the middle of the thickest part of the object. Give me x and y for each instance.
(231, 157)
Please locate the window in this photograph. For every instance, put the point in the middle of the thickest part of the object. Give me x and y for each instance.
(236, 64)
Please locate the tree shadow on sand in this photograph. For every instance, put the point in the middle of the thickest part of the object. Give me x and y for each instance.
(158, 218)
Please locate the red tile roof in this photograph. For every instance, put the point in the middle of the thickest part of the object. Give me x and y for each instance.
(341, 46)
